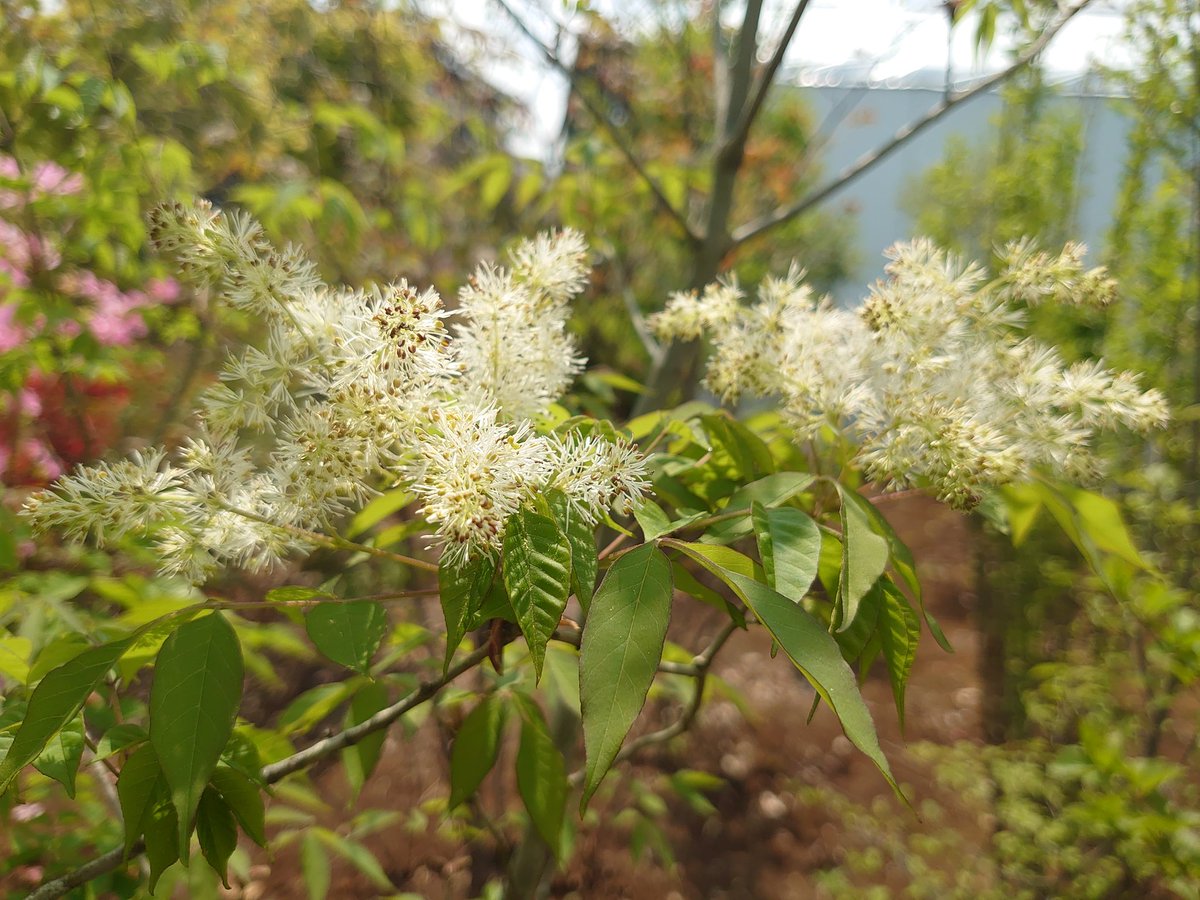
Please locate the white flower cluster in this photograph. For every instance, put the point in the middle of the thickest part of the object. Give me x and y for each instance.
(932, 377)
(350, 391)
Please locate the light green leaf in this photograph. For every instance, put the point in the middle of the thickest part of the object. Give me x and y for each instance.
(899, 632)
(296, 593)
(193, 703)
(358, 856)
(60, 759)
(816, 654)
(770, 491)
(864, 557)
(377, 510)
(622, 645)
(55, 702)
(360, 759)
(118, 738)
(244, 798)
(475, 747)
(789, 542)
(747, 450)
(541, 774)
(462, 590)
(216, 831)
(718, 559)
(14, 656)
(315, 704)
(537, 575)
(348, 633)
(652, 519)
(314, 866)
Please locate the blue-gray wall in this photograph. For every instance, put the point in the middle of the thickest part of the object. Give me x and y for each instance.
(876, 113)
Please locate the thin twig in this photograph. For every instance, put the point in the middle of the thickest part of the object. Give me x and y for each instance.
(614, 132)
(276, 771)
(756, 227)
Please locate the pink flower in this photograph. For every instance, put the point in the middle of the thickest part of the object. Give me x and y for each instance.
(164, 290)
(51, 178)
(11, 333)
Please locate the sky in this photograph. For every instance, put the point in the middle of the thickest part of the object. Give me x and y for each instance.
(839, 41)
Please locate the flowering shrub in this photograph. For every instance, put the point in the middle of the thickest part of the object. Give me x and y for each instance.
(357, 405)
(89, 317)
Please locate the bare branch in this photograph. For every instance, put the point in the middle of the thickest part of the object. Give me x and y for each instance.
(611, 129)
(736, 141)
(783, 214)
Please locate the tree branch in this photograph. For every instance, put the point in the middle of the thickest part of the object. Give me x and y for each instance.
(756, 227)
(735, 143)
(611, 129)
(276, 771)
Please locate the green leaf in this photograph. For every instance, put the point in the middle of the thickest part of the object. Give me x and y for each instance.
(216, 830)
(244, 798)
(855, 639)
(160, 825)
(377, 510)
(360, 759)
(314, 866)
(541, 774)
(60, 759)
(14, 657)
(652, 519)
(193, 703)
(136, 785)
(537, 575)
(899, 632)
(315, 704)
(55, 702)
(770, 491)
(747, 450)
(295, 593)
(717, 559)
(789, 542)
(864, 557)
(622, 645)
(1101, 524)
(475, 747)
(902, 561)
(348, 633)
(816, 654)
(462, 590)
(358, 856)
(582, 538)
(118, 738)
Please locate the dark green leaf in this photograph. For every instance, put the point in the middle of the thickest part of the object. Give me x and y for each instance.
(582, 538)
(541, 775)
(55, 701)
(462, 590)
(136, 785)
(348, 633)
(864, 557)
(899, 631)
(216, 830)
(622, 646)
(193, 703)
(537, 575)
(789, 543)
(161, 828)
(244, 798)
(60, 758)
(475, 747)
